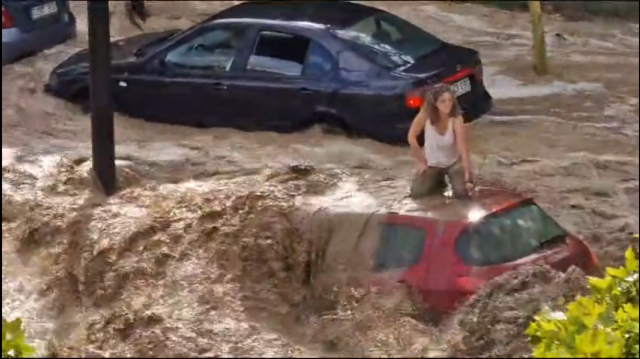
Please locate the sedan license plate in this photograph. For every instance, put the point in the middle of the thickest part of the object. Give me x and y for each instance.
(38, 12)
(461, 87)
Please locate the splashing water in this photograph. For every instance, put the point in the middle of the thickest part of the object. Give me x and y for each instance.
(195, 257)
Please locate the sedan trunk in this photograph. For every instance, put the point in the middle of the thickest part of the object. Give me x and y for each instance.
(440, 65)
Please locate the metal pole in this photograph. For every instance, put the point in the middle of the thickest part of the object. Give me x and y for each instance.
(102, 131)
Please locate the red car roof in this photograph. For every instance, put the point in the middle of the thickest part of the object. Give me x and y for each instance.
(484, 202)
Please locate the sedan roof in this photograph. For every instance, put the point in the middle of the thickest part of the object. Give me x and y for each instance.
(334, 14)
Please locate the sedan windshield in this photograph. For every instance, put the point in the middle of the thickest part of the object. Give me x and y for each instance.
(389, 41)
(507, 236)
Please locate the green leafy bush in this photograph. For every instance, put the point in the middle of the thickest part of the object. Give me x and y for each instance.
(601, 325)
(13, 340)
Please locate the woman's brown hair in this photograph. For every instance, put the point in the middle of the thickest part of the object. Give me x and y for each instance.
(433, 95)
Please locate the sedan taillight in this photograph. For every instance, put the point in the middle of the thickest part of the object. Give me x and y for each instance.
(7, 20)
(415, 99)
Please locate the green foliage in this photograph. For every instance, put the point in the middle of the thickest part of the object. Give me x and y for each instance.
(13, 340)
(601, 325)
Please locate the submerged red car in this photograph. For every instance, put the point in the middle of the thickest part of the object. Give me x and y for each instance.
(445, 249)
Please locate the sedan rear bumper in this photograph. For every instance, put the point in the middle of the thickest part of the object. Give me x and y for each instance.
(17, 44)
(476, 104)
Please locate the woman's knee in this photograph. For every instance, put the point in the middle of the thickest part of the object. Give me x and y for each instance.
(425, 184)
(418, 188)
(458, 184)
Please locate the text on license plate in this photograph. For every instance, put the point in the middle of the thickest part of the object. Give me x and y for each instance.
(41, 11)
(461, 87)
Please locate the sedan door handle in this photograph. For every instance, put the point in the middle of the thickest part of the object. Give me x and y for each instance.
(219, 86)
(306, 90)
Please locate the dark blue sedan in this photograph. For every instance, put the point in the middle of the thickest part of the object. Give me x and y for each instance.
(284, 66)
(30, 26)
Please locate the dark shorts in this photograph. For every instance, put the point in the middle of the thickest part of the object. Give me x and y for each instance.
(432, 181)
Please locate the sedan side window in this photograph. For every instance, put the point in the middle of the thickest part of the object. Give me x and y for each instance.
(214, 50)
(320, 61)
(289, 55)
(400, 246)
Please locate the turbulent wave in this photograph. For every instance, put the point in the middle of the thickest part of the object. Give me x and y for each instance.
(213, 246)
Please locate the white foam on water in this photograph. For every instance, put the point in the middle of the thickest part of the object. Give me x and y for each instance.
(189, 186)
(9, 156)
(346, 197)
(601, 59)
(20, 300)
(45, 166)
(350, 154)
(624, 115)
(504, 87)
(493, 40)
(157, 151)
(504, 118)
(628, 40)
(622, 128)
(457, 21)
(500, 118)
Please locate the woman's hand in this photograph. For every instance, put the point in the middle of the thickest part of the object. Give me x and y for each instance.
(469, 181)
(422, 167)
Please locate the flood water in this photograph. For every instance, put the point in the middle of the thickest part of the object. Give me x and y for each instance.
(194, 257)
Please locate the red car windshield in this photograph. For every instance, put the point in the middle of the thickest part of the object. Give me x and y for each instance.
(507, 236)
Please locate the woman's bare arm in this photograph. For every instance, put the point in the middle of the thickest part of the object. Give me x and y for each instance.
(414, 131)
(463, 145)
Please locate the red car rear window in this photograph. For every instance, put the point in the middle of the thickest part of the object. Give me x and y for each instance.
(507, 236)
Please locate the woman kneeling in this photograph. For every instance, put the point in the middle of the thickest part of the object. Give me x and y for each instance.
(445, 152)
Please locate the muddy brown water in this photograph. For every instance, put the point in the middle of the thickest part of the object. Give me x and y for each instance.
(197, 255)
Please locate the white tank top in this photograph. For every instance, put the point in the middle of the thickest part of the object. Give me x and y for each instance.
(440, 150)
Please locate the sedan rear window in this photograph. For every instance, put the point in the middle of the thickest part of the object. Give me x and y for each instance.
(507, 236)
(400, 246)
(389, 41)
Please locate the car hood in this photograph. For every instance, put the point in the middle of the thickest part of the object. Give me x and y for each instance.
(121, 50)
